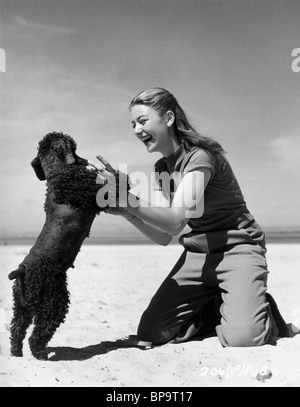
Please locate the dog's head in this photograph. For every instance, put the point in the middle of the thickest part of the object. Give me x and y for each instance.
(55, 148)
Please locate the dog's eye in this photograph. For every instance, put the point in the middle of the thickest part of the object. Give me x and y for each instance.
(59, 152)
(51, 159)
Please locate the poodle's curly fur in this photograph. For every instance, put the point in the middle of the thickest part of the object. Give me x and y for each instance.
(40, 291)
(52, 143)
(80, 193)
(40, 297)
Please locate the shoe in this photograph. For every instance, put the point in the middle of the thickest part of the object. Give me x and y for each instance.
(132, 341)
(283, 331)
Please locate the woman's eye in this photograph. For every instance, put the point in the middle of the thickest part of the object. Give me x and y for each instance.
(141, 122)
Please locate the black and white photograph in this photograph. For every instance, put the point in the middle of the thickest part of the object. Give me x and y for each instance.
(150, 196)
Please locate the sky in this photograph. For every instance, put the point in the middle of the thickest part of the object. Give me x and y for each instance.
(75, 65)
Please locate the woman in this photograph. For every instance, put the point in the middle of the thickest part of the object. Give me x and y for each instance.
(220, 281)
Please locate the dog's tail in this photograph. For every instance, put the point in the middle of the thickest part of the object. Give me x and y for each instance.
(17, 273)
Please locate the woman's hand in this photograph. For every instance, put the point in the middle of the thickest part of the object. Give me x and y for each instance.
(107, 175)
(104, 165)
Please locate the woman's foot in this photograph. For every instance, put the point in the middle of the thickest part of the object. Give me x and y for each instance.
(134, 341)
(282, 327)
(294, 326)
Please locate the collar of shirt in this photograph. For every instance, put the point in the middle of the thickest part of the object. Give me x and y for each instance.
(174, 160)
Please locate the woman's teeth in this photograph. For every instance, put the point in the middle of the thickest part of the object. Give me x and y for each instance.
(147, 140)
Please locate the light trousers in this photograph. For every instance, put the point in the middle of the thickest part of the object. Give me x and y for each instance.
(222, 289)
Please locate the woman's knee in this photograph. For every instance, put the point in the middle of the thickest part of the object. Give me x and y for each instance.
(152, 331)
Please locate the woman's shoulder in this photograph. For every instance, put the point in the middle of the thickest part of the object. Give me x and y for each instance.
(199, 154)
(197, 158)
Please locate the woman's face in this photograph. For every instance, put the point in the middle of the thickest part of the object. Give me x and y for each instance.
(151, 129)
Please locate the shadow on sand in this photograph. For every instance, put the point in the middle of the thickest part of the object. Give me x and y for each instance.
(65, 353)
(72, 354)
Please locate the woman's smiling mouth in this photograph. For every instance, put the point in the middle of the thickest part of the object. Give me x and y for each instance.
(147, 140)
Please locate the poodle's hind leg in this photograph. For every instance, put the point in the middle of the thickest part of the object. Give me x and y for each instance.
(41, 335)
(44, 329)
(46, 322)
(50, 302)
(22, 318)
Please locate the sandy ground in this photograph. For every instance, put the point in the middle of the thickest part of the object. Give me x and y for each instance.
(110, 287)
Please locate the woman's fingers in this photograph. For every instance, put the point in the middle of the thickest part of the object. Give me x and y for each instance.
(90, 168)
(103, 167)
(96, 166)
(104, 173)
(101, 180)
(106, 164)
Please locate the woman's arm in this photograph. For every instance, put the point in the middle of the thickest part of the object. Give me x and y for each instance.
(187, 203)
(153, 233)
(156, 235)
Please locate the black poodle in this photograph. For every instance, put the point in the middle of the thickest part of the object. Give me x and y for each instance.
(40, 291)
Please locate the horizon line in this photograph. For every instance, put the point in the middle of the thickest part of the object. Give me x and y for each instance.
(271, 237)
(268, 231)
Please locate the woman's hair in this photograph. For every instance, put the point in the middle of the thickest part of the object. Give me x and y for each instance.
(162, 101)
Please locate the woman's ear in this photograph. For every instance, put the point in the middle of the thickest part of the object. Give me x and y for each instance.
(170, 118)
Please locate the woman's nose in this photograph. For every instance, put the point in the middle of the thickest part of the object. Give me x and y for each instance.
(137, 130)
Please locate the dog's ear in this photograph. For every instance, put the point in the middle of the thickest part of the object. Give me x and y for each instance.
(16, 273)
(36, 165)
